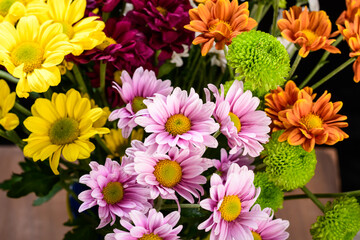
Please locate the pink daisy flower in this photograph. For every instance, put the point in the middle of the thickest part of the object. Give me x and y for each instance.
(142, 85)
(115, 192)
(154, 226)
(178, 120)
(226, 160)
(230, 203)
(269, 229)
(245, 127)
(178, 171)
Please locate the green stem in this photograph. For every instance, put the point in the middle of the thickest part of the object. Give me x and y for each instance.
(22, 109)
(313, 198)
(8, 76)
(69, 75)
(323, 195)
(259, 14)
(194, 74)
(231, 71)
(102, 82)
(79, 79)
(158, 204)
(184, 205)
(294, 65)
(217, 134)
(12, 137)
(3, 134)
(275, 15)
(320, 64)
(333, 73)
(102, 144)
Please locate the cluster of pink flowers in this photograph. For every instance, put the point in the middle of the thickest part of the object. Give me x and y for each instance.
(169, 163)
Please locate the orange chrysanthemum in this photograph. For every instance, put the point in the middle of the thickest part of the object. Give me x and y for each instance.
(352, 7)
(219, 22)
(309, 30)
(311, 122)
(280, 99)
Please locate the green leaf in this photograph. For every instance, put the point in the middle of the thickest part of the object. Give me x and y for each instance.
(82, 232)
(166, 68)
(6, 185)
(38, 182)
(40, 200)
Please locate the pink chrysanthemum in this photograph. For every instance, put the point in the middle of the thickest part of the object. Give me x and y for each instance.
(269, 229)
(179, 120)
(178, 171)
(230, 203)
(245, 127)
(115, 192)
(226, 160)
(134, 91)
(154, 226)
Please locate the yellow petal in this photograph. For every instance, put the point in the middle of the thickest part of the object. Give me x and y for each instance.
(27, 28)
(16, 11)
(76, 11)
(85, 148)
(22, 88)
(8, 103)
(46, 110)
(71, 152)
(8, 36)
(10, 121)
(37, 81)
(73, 97)
(37, 125)
(60, 104)
(54, 161)
(57, 9)
(94, 114)
(81, 108)
(48, 76)
(48, 151)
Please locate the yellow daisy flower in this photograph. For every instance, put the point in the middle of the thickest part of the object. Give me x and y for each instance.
(12, 10)
(32, 52)
(62, 126)
(117, 144)
(7, 100)
(84, 33)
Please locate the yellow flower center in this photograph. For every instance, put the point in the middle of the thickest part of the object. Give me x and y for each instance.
(310, 35)
(221, 22)
(113, 192)
(28, 53)
(230, 208)
(256, 236)
(138, 104)
(168, 173)
(67, 29)
(312, 121)
(107, 42)
(162, 10)
(177, 124)
(5, 6)
(64, 131)
(150, 236)
(235, 119)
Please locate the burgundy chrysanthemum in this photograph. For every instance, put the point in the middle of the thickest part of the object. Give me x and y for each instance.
(103, 5)
(163, 22)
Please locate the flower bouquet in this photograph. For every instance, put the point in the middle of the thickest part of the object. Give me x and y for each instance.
(173, 119)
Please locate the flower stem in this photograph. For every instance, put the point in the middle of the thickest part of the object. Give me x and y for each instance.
(102, 82)
(231, 71)
(323, 195)
(258, 13)
(333, 73)
(320, 64)
(294, 65)
(102, 144)
(22, 109)
(276, 12)
(79, 79)
(13, 137)
(218, 132)
(184, 205)
(8, 76)
(313, 198)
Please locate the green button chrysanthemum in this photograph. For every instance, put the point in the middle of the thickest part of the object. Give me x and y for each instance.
(341, 220)
(260, 59)
(289, 167)
(271, 195)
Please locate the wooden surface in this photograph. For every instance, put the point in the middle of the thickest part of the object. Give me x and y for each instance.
(19, 220)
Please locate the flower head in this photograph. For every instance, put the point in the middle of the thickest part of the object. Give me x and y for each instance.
(219, 22)
(311, 122)
(178, 120)
(117, 144)
(179, 171)
(245, 127)
(12, 11)
(9, 121)
(341, 220)
(84, 33)
(309, 30)
(352, 7)
(134, 91)
(153, 226)
(32, 52)
(261, 59)
(62, 126)
(281, 99)
(115, 192)
(230, 204)
(269, 228)
(289, 167)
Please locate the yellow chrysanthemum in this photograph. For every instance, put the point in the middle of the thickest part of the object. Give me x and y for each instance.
(32, 52)
(62, 126)
(104, 117)
(117, 144)
(12, 10)
(84, 33)
(7, 100)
